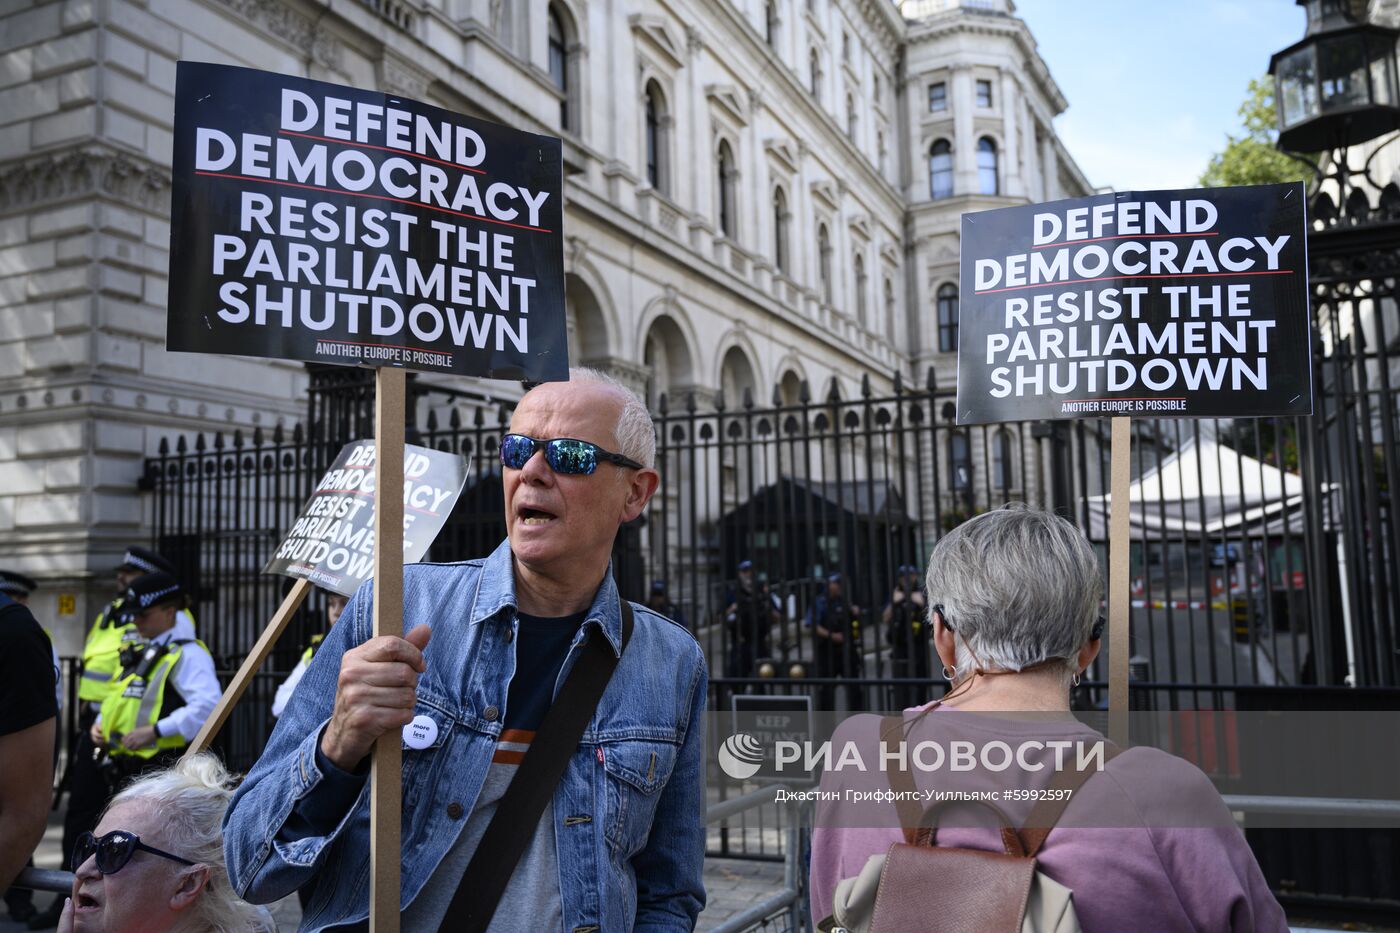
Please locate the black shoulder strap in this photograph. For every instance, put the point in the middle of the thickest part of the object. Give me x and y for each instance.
(532, 788)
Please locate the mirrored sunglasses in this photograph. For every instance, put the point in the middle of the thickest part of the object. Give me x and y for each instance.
(114, 850)
(563, 454)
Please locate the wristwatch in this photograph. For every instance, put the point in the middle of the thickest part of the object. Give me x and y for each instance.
(155, 727)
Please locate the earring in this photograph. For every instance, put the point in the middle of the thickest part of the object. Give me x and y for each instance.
(1074, 680)
(949, 673)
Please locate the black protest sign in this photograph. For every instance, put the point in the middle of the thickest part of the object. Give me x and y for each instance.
(1157, 303)
(771, 721)
(332, 542)
(311, 221)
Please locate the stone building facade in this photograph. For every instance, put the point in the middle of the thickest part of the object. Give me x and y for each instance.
(758, 193)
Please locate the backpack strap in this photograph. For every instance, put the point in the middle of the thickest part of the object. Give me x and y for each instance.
(906, 801)
(918, 830)
(1047, 810)
(1011, 841)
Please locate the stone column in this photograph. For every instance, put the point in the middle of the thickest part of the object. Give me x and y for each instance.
(964, 105)
(1012, 184)
(1030, 175)
(1049, 166)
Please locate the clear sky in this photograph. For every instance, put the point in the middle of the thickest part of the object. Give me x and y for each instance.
(1155, 85)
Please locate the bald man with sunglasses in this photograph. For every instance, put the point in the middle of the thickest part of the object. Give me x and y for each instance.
(496, 658)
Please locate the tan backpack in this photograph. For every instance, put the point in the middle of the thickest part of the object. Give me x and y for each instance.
(916, 887)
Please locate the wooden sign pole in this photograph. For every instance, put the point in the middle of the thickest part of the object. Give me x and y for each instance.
(386, 792)
(1120, 482)
(250, 666)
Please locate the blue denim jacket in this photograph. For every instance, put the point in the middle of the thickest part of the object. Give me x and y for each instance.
(633, 863)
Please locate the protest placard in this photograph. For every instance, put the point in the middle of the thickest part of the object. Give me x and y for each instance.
(311, 221)
(1159, 303)
(1179, 304)
(317, 222)
(332, 541)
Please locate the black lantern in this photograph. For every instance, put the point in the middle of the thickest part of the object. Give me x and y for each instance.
(1337, 87)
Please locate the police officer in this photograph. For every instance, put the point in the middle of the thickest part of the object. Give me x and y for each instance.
(109, 635)
(87, 786)
(748, 618)
(906, 629)
(17, 587)
(165, 689)
(658, 600)
(835, 623)
(335, 605)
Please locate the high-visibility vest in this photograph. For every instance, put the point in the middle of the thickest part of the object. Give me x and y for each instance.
(139, 697)
(311, 647)
(102, 653)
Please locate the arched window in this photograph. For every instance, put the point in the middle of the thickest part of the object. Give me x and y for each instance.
(880, 150)
(1002, 464)
(947, 318)
(814, 63)
(726, 179)
(770, 23)
(861, 283)
(559, 64)
(656, 138)
(940, 170)
(959, 462)
(987, 182)
(780, 230)
(850, 116)
(824, 262)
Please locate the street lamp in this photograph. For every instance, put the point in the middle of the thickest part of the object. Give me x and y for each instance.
(1337, 86)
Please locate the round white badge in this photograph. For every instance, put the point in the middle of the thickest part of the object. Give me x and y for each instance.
(420, 733)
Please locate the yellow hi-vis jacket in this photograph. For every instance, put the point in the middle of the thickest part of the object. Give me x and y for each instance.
(138, 698)
(311, 647)
(102, 653)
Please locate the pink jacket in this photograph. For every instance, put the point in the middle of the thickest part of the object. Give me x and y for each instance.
(1145, 845)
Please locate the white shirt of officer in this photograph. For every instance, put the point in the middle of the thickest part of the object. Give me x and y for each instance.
(335, 605)
(193, 678)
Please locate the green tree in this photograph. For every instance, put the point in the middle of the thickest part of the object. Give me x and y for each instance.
(1251, 159)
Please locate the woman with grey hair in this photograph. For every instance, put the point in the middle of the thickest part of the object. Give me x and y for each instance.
(1145, 842)
(155, 863)
(1014, 591)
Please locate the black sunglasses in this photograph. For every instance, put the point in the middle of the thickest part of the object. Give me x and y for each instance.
(114, 850)
(563, 454)
(1095, 633)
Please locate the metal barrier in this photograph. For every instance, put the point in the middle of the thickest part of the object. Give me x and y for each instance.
(1352, 807)
(45, 879)
(790, 902)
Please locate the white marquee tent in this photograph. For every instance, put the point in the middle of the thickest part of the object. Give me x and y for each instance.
(1206, 487)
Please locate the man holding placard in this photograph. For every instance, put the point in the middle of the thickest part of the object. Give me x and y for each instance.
(509, 663)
